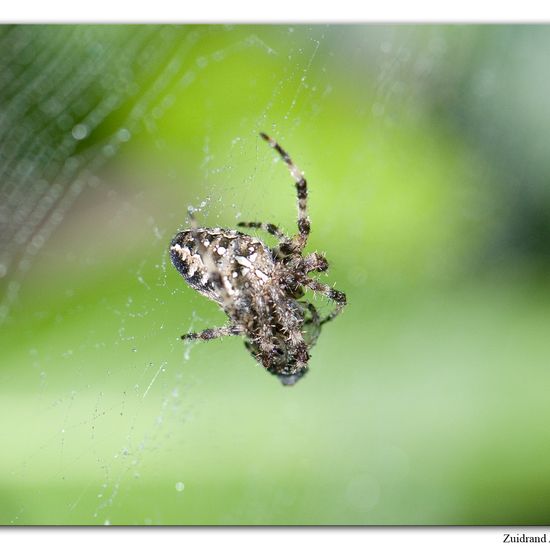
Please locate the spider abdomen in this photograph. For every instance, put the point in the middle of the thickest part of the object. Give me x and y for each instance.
(242, 264)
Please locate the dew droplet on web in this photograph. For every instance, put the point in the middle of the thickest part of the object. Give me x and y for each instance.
(180, 486)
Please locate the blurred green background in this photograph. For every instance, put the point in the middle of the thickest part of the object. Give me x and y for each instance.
(427, 153)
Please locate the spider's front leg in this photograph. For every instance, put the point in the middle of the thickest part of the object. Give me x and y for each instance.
(211, 333)
(304, 226)
(331, 293)
(268, 227)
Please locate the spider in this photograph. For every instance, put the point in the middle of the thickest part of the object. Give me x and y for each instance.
(260, 288)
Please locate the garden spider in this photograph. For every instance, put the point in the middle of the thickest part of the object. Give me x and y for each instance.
(261, 289)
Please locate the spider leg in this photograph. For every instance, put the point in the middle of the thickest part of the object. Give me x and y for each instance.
(332, 294)
(312, 325)
(269, 227)
(304, 226)
(315, 262)
(211, 333)
(315, 319)
(281, 333)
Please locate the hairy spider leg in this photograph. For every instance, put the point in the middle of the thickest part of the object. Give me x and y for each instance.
(293, 332)
(268, 227)
(263, 334)
(211, 333)
(315, 321)
(332, 294)
(315, 262)
(315, 317)
(304, 225)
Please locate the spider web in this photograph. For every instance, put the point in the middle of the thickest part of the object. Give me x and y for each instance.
(72, 98)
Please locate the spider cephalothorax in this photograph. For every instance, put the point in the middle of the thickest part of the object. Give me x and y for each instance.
(260, 288)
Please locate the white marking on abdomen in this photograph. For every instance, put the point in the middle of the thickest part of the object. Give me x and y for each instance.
(243, 261)
(261, 275)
